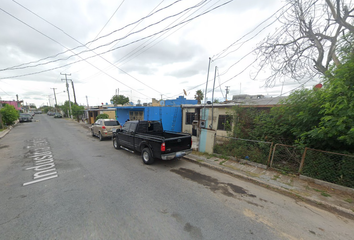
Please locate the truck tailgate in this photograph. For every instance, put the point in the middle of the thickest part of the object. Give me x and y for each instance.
(178, 144)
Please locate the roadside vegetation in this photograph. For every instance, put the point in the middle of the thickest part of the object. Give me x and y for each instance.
(102, 116)
(8, 115)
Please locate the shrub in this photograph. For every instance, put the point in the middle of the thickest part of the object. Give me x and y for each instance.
(102, 116)
(9, 114)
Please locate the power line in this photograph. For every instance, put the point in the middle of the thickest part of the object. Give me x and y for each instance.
(110, 19)
(143, 48)
(217, 56)
(92, 50)
(103, 45)
(149, 36)
(82, 45)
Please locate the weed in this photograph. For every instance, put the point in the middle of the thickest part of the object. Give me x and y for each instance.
(275, 177)
(222, 162)
(325, 194)
(349, 200)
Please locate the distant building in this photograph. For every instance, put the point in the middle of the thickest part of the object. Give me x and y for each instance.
(17, 104)
(168, 111)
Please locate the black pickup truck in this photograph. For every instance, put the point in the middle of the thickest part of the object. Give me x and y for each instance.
(149, 138)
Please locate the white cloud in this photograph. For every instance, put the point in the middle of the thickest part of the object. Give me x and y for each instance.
(161, 65)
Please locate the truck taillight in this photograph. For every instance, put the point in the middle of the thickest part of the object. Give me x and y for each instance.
(163, 147)
(103, 127)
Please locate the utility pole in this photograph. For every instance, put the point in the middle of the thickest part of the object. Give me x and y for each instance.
(212, 101)
(227, 92)
(55, 97)
(72, 84)
(88, 106)
(206, 89)
(67, 88)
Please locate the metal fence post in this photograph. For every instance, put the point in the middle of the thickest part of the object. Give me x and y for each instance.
(271, 161)
(302, 160)
(270, 154)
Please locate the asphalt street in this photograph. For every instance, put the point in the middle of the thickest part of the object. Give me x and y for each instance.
(59, 182)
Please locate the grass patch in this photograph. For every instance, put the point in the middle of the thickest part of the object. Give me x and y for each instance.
(323, 193)
(222, 162)
(275, 177)
(349, 200)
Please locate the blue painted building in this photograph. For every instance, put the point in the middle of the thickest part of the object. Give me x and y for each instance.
(168, 111)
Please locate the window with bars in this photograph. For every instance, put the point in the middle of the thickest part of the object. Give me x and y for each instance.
(189, 117)
(225, 122)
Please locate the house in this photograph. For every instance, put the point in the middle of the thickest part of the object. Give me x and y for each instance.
(92, 113)
(17, 104)
(168, 111)
(207, 120)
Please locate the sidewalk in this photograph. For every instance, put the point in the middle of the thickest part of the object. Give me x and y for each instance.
(327, 196)
(6, 131)
(330, 197)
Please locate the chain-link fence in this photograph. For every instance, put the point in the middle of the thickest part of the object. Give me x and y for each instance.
(252, 150)
(328, 166)
(286, 158)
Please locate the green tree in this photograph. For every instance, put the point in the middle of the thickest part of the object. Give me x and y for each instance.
(199, 96)
(9, 114)
(77, 111)
(102, 116)
(336, 127)
(119, 99)
(65, 108)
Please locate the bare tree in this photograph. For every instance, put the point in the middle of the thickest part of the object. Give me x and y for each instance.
(311, 37)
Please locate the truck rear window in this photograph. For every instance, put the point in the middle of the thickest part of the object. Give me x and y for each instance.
(149, 127)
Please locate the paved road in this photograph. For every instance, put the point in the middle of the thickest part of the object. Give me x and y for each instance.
(58, 182)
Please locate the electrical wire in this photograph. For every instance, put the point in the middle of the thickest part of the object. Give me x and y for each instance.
(88, 43)
(103, 45)
(125, 45)
(88, 48)
(136, 53)
(218, 55)
(144, 48)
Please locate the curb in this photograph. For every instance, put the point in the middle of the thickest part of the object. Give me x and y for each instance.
(6, 131)
(3, 133)
(316, 203)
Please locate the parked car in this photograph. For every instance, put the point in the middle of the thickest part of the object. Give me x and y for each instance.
(58, 115)
(25, 117)
(50, 113)
(102, 128)
(32, 114)
(149, 138)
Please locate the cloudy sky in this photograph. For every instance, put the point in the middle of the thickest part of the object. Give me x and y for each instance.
(143, 49)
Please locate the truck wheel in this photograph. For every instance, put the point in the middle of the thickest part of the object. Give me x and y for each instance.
(147, 156)
(100, 136)
(116, 143)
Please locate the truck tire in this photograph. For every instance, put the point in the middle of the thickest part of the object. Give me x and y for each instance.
(147, 157)
(116, 143)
